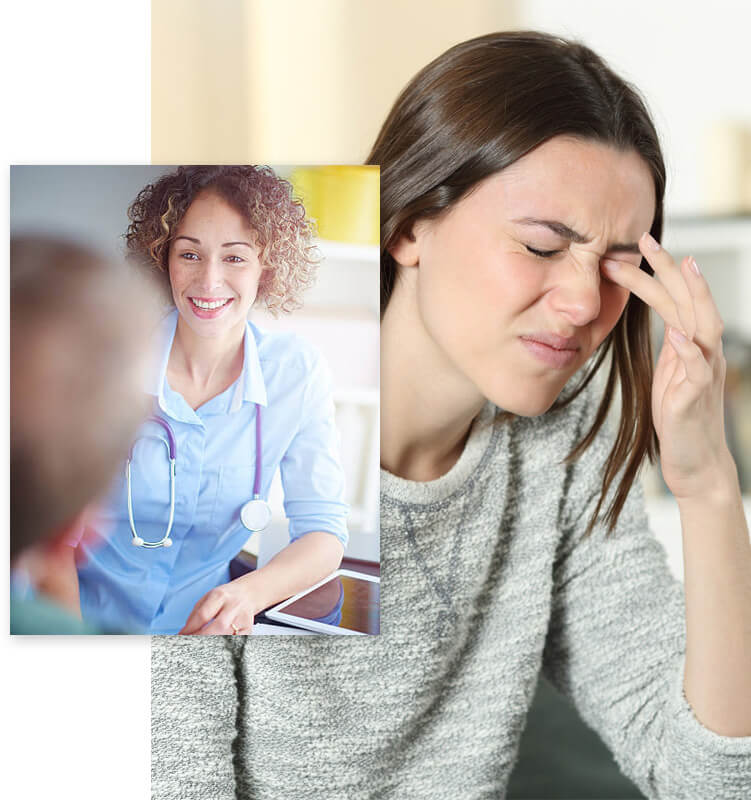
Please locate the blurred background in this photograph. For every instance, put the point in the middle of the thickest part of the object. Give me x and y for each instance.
(340, 315)
(313, 82)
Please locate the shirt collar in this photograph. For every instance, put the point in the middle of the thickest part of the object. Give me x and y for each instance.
(250, 387)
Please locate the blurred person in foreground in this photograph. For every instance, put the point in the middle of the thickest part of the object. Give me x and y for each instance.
(78, 361)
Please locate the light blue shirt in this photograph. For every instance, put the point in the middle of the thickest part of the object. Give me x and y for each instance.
(154, 590)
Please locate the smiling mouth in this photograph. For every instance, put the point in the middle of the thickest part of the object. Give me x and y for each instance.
(210, 305)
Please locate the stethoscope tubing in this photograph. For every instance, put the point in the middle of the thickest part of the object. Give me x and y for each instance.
(171, 446)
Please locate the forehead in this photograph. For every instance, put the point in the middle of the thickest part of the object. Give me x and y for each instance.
(586, 185)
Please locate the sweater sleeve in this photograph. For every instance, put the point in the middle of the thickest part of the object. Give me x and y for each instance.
(616, 645)
(193, 715)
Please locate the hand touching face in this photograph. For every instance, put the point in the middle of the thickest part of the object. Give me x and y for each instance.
(521, 256)
(689, 382)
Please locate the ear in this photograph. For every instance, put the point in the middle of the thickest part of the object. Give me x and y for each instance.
(406, 250)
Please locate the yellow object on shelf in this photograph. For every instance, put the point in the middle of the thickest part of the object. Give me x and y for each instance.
(344, 201)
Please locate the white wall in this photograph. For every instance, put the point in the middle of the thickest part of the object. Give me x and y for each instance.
(690, 61)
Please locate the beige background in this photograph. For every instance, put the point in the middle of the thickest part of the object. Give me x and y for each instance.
(287, 81)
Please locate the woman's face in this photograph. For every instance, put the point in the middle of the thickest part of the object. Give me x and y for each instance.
(213, 267)
(481, 289)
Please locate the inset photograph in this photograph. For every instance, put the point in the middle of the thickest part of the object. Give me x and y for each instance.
(195, 400)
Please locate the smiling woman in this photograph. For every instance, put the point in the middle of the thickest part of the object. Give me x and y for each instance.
(236, 403)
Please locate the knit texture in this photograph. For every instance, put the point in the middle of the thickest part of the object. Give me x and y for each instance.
(486, 580)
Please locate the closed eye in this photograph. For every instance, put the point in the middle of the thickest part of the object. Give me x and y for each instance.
(542, 253)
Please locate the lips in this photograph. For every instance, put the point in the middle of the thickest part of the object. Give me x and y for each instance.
(206, 308)
(554, 340)
(210, 302)
(550, 356)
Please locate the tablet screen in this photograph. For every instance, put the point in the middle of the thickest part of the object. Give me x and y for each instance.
(343, 601)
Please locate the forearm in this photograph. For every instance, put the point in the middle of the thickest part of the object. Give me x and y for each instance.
(299, 565)
(717, 571)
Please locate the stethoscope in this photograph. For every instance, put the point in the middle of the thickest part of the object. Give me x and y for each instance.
(255, 514)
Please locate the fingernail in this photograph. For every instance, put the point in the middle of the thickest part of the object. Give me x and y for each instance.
(694, 266)
(651, 243)
(611, 265)
(676, 336)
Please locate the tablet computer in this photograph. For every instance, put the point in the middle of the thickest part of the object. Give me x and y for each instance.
(345, 602)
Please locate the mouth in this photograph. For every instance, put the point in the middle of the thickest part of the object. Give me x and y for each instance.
(551, 356)
(209, 307)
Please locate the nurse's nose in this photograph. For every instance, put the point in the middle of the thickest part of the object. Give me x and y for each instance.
(212, 275)
(577, 296)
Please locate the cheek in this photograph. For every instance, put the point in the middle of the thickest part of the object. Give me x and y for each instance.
(506, 286)
(175, 273)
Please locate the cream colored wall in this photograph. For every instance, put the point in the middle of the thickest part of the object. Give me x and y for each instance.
(292, 81)
(199, 81)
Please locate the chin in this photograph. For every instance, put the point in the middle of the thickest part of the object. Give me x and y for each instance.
(520, 403)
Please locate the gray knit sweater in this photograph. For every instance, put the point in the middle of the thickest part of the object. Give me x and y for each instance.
(486, 580)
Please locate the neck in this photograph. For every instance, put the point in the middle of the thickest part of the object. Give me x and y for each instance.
(427, 405)
(203, 361)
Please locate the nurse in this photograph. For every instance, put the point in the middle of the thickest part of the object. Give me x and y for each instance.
(221, 239)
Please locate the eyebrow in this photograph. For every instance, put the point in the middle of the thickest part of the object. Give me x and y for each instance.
(573, 236)
(198, 241)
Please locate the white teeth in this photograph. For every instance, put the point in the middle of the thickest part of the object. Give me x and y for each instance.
(211, 305)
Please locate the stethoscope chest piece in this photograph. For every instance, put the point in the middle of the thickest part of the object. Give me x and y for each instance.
(255, 515)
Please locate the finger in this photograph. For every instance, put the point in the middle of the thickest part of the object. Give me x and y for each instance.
(673, 279)
(709, 325)
(698, 372)
(229, 621)
(665, 366)
(644, 286)
(204, 610)
(214, 628)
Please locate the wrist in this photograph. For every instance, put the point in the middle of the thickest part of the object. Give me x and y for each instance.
(253, 587)
(718, 488)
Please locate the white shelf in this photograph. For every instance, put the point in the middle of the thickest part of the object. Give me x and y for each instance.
(722, 248)
(708, 233)
(350, 253)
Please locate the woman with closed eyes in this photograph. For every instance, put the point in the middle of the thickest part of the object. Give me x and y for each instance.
(522, 204)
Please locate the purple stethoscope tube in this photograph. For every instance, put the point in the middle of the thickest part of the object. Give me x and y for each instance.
(255, 514)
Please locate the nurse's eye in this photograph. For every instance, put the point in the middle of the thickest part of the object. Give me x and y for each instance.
(542, 253)
(235, 260)
(189, 256)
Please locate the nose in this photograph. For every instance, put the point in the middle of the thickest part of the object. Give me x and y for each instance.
(577, 293)
(212, 275)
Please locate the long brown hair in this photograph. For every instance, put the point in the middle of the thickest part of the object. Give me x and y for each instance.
(477, 109)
